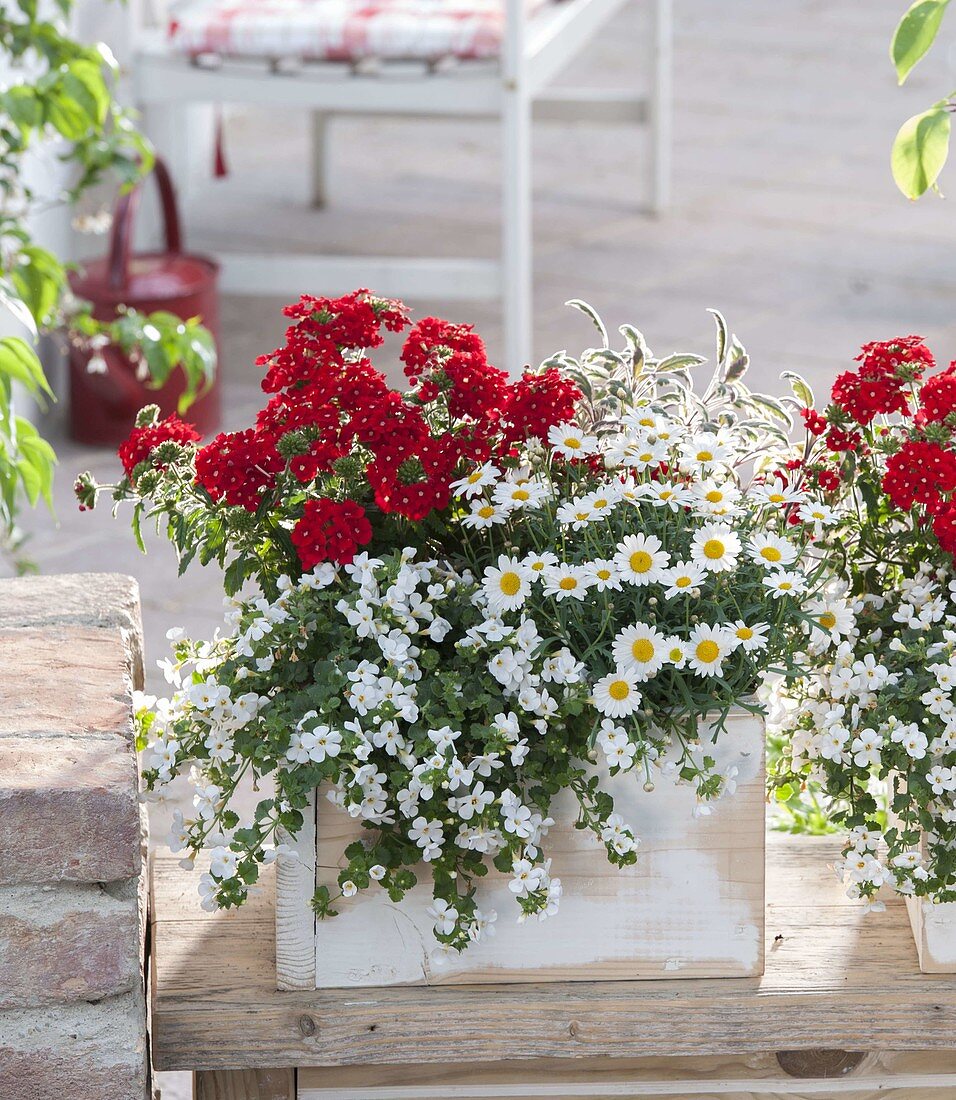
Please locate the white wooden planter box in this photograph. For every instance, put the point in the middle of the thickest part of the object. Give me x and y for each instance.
(934, 929)
(692, 906)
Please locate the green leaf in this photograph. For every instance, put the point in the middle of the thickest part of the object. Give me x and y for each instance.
(39, 279)
(920, 151)
(589, 311)
(800, 387)
(915, 34)
(84, 84)
(36, 464)
(19, 361)
(785, 792)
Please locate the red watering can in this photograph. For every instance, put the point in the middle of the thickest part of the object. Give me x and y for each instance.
(104, 404)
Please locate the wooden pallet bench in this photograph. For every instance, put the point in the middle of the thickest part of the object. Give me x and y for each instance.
(842, 1011)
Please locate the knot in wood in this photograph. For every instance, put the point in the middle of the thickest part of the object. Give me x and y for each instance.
(307, 1025)
(819, 1062)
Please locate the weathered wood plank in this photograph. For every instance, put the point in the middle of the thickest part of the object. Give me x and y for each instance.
(692, 905)
(295, 920)
(835, 978)
(245, 1084)
(760, 1075)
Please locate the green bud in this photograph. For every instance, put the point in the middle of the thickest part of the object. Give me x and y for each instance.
(147, 416)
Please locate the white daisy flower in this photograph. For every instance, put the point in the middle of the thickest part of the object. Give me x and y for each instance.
(483, 514)
(708, 646)
(715, 547)
(519, 494)
(778, 492)
(566, 581)
(750, 638)
(616, 695)
(640, 649)
(833, 616)
(537, 563)
(715, 499)
(706, 451)
(640, 559)
(820, 515)
(604, 575)
(570, 441)
(472, 484)
(666, 494)
(575, 513)
(677, 652)
(506, 585)
(772, 551)
(682, 578)
(639, 454)
(602, 501)
(785, 583)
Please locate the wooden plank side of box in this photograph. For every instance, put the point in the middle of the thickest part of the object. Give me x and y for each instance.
(693, 906)
(824, 1075)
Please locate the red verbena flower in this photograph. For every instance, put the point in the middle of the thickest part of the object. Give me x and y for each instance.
(839, 440)
(443, 357)
(816, 424)
(863, 396)
(238, 467)
(143, 441)
(536, 402)
(944, 527)
(416, 484)
(937, 398)
(903, 357)
(330, 530)
(919, 473)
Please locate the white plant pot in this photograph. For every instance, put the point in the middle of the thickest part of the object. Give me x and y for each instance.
(691, 907)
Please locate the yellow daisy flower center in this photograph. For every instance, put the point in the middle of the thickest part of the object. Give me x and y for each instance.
(642, 650)
(619, 690)
(581, 515)
(486, 512)
(771, 553)
(705, 456)
(715, 496)
(568, 583)
(676, 654)
(682, 582)
(603, 574)
(602, 503)
(776, 498)
(510, 583)
(537, 566)
(828, 620)
(521, 494)
(744, 633)
(707, 651)
(640, 561)
(785, 586)
(474, 478)
(714, 549)
(572, 443)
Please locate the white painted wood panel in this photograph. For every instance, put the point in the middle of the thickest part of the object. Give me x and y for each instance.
(691, 907)
(934, 929)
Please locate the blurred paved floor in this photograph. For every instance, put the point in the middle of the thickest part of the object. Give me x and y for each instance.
(784, 216)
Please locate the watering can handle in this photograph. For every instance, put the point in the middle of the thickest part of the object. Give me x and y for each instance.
(121, 238)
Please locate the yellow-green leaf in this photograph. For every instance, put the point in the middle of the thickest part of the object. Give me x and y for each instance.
(920, 151)
(915, 34)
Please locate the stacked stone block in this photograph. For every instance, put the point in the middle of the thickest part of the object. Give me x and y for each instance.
(72, 897)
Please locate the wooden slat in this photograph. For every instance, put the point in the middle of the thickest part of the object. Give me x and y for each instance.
(759, 1075)
(835, 978)
(245, 1084)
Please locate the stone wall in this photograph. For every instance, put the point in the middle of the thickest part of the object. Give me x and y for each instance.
(72, 897)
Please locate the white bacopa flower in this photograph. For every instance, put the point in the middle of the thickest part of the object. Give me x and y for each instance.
(223, 863)
(641, 649)
(640, 559)
(616, 695)
(715, 547)
(445, 916)
(506, 586)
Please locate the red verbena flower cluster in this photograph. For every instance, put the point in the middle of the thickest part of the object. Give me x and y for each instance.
(914, 458)
(334, 444)
(143, 441)
(330, 530)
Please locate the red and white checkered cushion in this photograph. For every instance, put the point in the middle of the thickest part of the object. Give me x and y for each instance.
(340, 30)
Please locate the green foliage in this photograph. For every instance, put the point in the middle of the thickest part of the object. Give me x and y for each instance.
(915, 33)
(61, 96)
(920, 151)
(921, 145)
